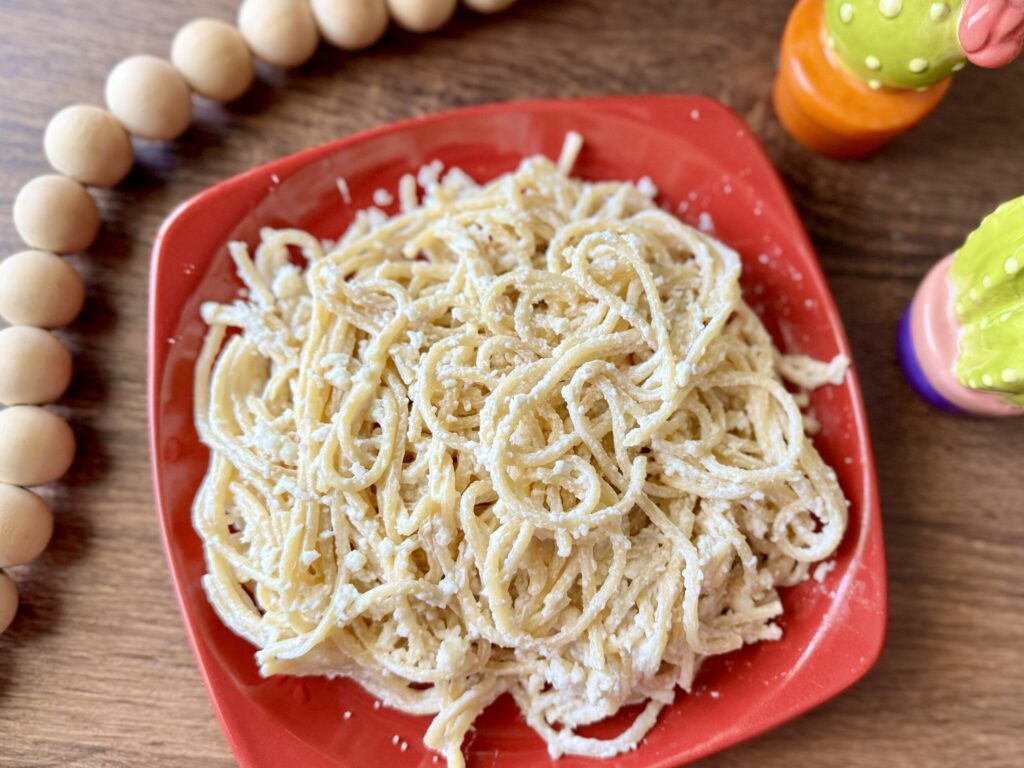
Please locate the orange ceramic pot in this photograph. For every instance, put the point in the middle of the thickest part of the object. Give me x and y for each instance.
(829, 110)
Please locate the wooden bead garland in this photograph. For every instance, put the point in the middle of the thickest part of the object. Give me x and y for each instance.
(213, 58)
(149, 97)
(89, 145)
(281, 32)
(55, 213)
(421, 15)
(36, 446)
(488, 6)
(8, 601)
(26, 525)
(351, 24)
(40, 289)
(35, 367)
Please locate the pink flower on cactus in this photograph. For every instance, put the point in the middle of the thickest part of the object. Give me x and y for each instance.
(992, 31)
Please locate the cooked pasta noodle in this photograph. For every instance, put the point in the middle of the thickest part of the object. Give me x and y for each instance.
(524, 438)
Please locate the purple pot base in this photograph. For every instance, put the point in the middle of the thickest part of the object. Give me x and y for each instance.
(914, 372)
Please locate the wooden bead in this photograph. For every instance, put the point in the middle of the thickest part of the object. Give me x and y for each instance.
(55, 213)
(351, 24)
(36, 446)
(281, 32)
(89, 145)
(421, 15)
(8, 601)
(488, 6)
(34, 366)
(26, 525)
(213, 58)
(149, 97)
(39, 288)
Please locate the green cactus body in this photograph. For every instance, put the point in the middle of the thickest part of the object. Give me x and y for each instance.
(896, 43)
(988, 289)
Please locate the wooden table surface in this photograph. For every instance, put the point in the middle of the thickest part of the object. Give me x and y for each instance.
(96, 671)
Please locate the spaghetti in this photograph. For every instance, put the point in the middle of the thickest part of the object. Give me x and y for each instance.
(523, 437)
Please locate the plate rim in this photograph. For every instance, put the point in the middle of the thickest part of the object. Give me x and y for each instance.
(638, 107)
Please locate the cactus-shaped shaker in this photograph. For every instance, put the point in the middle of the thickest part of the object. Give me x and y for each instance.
(962, 338)
(856, 73)
(896, 43)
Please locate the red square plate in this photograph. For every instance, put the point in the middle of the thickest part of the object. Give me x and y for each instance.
(712, 173)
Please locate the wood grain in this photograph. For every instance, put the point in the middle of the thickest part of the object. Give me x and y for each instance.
(97, 671)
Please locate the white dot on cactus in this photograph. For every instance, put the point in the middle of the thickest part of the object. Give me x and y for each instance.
(1012, 266)
(985, 323)
(846, 13)
(939, 12)
(831, 42)
(1009, 375)
(874, 84)
(890, 8)
(973, 293)
(917, 66)
(959, 65)
(1004, 318)
(872, 62)
(987, 380)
